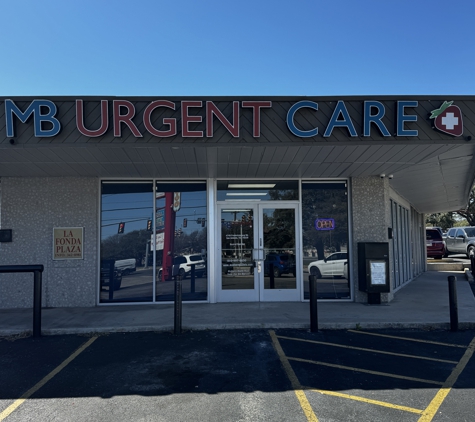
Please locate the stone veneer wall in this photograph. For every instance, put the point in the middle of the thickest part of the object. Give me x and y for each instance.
(32, 207)
(371, 215)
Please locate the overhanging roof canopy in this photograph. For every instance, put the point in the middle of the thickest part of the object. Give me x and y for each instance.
(433, 170)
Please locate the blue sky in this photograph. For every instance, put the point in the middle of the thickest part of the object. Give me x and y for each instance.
(251, 47)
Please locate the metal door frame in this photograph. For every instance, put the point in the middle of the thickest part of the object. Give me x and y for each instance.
(259, 293)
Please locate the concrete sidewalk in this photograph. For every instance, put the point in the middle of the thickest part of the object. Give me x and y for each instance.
(424, 303)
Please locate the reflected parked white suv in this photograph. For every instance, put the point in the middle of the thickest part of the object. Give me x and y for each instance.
(332, 266)
(182, 266)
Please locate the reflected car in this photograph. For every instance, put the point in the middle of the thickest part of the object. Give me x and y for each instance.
(127, 266)
(105, 277)
(345, 270)
(332, 266)
(182, 266)
(281, 263)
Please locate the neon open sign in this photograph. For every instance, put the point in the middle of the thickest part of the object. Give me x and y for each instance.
(325, 224)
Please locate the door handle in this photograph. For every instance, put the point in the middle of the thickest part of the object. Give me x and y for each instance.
(257, 263)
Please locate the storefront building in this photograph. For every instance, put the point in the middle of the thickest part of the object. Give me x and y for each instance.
(241, 198)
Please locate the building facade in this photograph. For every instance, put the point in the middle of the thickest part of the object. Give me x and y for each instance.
(243, 199)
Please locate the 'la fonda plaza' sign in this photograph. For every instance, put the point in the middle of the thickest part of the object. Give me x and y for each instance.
(68, 242)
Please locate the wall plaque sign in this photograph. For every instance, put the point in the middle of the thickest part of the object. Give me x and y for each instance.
(68, 243)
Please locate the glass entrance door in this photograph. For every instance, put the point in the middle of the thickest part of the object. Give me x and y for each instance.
(258, 253)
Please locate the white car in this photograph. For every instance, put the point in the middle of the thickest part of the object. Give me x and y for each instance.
(182, 266)
(332, 266)
(127, 266)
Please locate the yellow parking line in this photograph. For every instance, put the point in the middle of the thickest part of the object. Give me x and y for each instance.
(368, 350)
(408, 339)
(436, 402)
(17, 403)
(298, 390)
(367, 371)
(369, 401)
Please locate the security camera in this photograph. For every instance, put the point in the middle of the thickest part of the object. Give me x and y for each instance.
(390, 176)
(382, 175)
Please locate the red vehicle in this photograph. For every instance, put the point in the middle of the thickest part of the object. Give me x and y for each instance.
(435, 243)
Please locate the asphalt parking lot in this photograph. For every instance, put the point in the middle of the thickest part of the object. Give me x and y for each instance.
(240, 375)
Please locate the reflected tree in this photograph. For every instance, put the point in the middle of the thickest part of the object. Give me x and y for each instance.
(279, 229)
(125, 246)
(324, 202)
(134, 245)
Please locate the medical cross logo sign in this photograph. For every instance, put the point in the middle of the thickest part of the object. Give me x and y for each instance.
(448, 119)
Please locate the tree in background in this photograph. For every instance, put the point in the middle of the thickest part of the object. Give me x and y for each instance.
(462, 217)
(443, 220)
(469, 212)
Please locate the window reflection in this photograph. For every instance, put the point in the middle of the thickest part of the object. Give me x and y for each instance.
(126, 209)
(279, 243)
(181, 240)
(325, 239)
(132, 240)
(283, 190)
(237, 244)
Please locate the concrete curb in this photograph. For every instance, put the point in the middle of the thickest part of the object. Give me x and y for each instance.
(468, 275)
(445, 266)
(303, 326)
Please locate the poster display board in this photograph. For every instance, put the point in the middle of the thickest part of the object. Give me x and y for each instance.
(377, 273)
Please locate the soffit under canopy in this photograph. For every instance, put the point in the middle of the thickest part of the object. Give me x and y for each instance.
(433, 177)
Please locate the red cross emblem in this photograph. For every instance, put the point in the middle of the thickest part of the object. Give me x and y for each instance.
(448, 119)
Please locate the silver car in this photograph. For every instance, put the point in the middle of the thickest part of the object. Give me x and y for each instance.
(460, 240)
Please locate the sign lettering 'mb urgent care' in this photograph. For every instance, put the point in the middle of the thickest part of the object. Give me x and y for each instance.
(197, 119)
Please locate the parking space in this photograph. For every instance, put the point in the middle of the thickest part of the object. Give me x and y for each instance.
(377, 375)
(240, 375)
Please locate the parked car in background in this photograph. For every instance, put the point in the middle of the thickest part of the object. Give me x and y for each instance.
(182, 266)
(438, 228)
(434, 243)
(282, 263)
(127, 266)
(460, 240)
(105, 276)
(332, 266)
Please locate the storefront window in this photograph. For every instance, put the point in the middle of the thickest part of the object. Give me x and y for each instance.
(126, 209)
(138, 250)
(181, 240)
(325, 239)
